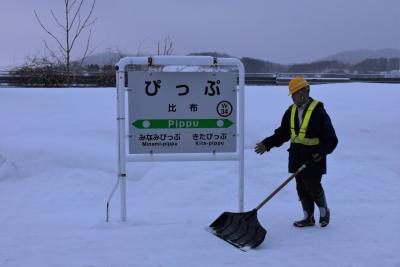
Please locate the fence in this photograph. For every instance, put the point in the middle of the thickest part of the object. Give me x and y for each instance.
(57, 79)
(107, 79)
(317, 78)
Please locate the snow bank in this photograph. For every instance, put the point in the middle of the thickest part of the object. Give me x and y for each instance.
(58, 165)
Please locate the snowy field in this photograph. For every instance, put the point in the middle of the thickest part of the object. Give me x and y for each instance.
(58, 166)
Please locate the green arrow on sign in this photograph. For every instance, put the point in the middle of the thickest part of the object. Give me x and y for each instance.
(182, 123)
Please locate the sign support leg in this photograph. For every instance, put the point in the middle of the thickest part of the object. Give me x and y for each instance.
(123, 198)
(121, 139)
(241, 184)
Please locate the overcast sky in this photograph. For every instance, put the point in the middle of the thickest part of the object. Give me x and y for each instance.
(282, 31)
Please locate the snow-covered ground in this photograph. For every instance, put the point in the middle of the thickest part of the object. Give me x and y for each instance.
(58, 166)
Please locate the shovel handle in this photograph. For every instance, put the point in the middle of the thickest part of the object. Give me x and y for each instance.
(282, 185)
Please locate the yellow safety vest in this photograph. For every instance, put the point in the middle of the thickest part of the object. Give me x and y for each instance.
(301, 137)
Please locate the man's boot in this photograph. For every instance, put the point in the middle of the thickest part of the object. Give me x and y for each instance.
(308, 209)
(324, 211)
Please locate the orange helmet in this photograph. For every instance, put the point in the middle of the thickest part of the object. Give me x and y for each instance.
(296, 84)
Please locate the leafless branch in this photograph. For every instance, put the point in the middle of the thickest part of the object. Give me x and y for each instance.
(58, 23)
(77, 12)
(72, 4)
(48, 32)
(52, 53)
(79, 25)
(86, 49)
(168, 46)
(85, 24)
(63, 54)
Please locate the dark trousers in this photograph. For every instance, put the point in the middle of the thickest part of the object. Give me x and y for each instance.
(309, 189)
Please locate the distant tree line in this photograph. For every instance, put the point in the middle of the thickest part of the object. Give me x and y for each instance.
(42, 72)
(368, 66)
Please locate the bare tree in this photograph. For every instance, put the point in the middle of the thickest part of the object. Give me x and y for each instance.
(72, 27)
(168, 47)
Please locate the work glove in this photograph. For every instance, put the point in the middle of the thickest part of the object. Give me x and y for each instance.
(316, 157)
(260, 148)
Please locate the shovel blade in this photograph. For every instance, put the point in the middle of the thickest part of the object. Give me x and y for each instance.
(240, 229)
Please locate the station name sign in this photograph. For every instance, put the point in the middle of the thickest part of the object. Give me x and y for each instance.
(182, 112)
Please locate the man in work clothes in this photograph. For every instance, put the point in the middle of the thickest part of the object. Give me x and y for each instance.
(312, 136)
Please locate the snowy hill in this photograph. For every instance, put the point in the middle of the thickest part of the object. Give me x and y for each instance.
(356, 56)
(58, 165)
(105, 58)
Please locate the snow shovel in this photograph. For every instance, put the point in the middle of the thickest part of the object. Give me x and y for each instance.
(242, 229)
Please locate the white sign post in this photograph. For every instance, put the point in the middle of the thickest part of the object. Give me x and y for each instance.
(179, 116)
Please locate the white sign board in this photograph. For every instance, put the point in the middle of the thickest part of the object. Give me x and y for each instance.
(182, 112)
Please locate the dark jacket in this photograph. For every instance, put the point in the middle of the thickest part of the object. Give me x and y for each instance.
(320, 126)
